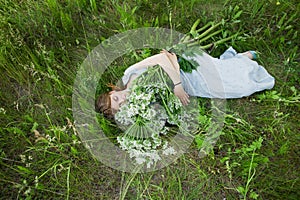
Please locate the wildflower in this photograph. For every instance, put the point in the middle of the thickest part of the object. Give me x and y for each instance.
(169, 151)
(23, 158)
(36, 181)
(2, 111)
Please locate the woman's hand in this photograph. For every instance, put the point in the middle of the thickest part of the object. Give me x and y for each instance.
(172, 56)
(181, 94)
(165, 51)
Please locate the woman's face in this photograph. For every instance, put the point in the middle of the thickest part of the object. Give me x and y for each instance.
(117, 98)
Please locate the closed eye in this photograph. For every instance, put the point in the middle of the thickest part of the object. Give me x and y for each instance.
(115, 98)
(120, 104)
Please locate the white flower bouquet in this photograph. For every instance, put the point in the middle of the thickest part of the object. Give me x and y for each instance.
(148, 117)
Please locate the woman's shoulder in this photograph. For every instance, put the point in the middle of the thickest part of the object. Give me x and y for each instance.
(131, 71)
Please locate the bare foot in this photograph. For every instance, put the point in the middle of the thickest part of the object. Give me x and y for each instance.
(248, 54)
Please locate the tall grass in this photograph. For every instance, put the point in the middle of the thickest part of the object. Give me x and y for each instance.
(44, 42)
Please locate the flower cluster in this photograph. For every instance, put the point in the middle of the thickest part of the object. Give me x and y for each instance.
(150, 106)
(145, 150)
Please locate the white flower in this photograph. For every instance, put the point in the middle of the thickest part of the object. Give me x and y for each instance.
(164, 131)
(140, 160)
(2, 111)
(169, 151)
(147, 143)
(23, 158)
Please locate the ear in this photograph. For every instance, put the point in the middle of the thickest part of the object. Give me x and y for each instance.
(111, 92)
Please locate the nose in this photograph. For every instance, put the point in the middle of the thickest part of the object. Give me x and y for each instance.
(122, 101)
(124, 96)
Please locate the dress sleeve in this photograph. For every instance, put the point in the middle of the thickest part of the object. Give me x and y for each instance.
(129, 72)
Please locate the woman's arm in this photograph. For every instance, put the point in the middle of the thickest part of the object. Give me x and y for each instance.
(161, 59)
(166, 62)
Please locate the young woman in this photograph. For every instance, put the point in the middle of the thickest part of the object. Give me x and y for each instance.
(232, 76)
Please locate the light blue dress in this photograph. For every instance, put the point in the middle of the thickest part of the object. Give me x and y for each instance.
(230, 76)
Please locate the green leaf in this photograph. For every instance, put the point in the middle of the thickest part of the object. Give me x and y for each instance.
(253, 195)
(203, 119)
(238, 14)
(199, 139)
(257, 144)
(74, 150)
(241, 190)
(24, 169)
(281, 20)
(186, 65)
(35, 125)
(224, 159)
(284, 148)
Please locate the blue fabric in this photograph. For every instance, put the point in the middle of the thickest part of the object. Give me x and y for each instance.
(231, 76)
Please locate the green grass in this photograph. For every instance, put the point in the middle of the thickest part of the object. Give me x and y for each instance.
(43, 43)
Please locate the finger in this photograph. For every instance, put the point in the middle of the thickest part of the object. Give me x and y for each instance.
(187, 96)
(184, 101)
(187, 99)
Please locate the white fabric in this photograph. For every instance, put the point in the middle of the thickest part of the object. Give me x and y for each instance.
(231, 76)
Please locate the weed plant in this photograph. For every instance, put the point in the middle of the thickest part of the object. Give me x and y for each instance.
(43, 43)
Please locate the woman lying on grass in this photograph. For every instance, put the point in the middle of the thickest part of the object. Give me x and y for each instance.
(234, 75)
(156, 101)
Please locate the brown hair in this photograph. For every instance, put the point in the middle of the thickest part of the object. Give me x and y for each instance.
(103, 103)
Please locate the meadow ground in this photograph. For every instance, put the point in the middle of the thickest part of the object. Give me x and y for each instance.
(43, 43)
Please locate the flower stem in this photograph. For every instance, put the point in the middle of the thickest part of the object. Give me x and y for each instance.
(216, 43)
